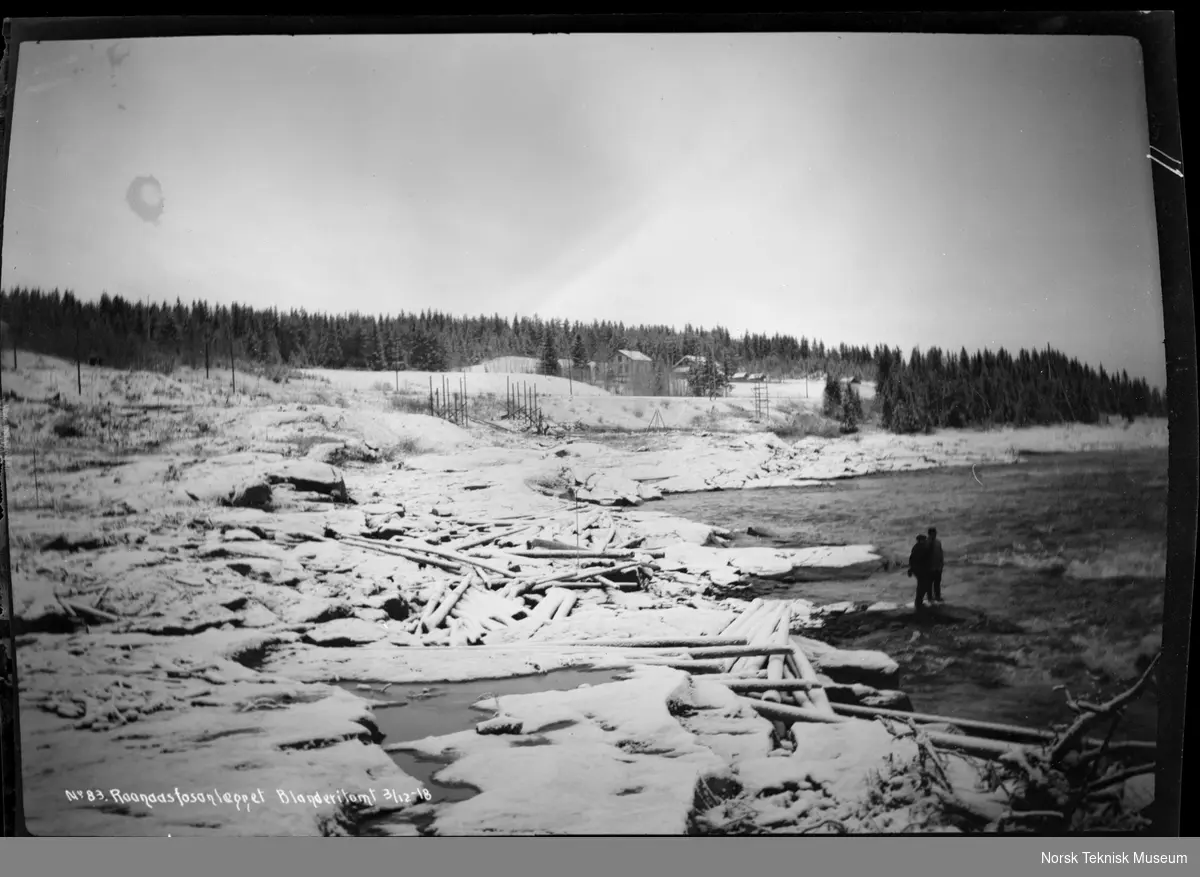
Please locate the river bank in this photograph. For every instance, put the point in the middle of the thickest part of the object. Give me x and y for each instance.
(192, 594)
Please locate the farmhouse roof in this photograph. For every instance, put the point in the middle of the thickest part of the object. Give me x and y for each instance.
(635, 355)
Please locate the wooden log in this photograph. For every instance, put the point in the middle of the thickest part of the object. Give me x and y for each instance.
(791, 714)
(483, 623)
(456, 557)
(488, 538)
(469, 607)
(424, 559)
(564, 608)
(476, 631)
(745, 684)
(775, 664)
(600, 582)
(959, 742)
(542, 613)
(573, 554)
(750, 617)
(820, 700)
(577, 576)
(982, 728)
(505, 610)
(458, 634)
(541, 544)
(435, 620)
(85, 609)
(753, 650)
(680, 664)
(739, 621)
(433, 602)
(672, 642)
(763, 631)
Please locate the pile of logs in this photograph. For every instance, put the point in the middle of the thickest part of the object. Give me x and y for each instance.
(510, 578)
(756, 657)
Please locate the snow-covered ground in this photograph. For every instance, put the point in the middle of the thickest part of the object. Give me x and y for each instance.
(190, 586)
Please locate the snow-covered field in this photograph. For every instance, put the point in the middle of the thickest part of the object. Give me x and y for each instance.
(191, 586)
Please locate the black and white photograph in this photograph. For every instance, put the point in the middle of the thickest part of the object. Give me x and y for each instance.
(636, 433)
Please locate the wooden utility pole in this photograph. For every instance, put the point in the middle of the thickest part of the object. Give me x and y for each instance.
(78, 367)
(232, 364)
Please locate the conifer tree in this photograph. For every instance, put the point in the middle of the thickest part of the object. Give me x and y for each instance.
(833, 397)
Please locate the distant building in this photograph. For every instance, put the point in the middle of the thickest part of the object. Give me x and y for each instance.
(687, 363)
(629, 363)
(629, 372)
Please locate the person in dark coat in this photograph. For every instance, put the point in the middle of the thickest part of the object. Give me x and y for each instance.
(937, 561)
(918, 568)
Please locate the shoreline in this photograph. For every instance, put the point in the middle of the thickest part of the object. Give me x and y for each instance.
(203, 555)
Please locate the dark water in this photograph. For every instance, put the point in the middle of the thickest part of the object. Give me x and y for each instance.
(1054, 574)
(435, 709)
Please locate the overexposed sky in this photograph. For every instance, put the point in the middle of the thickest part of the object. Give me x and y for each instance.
(913, 190)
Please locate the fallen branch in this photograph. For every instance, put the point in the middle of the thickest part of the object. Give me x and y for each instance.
(824, 822)
(1093, 714)
(1014, 815)
(1118, 778)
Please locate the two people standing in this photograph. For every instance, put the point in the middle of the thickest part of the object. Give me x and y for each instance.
(925, 564)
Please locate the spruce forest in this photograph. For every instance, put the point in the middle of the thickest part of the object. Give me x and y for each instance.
(927, 390)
